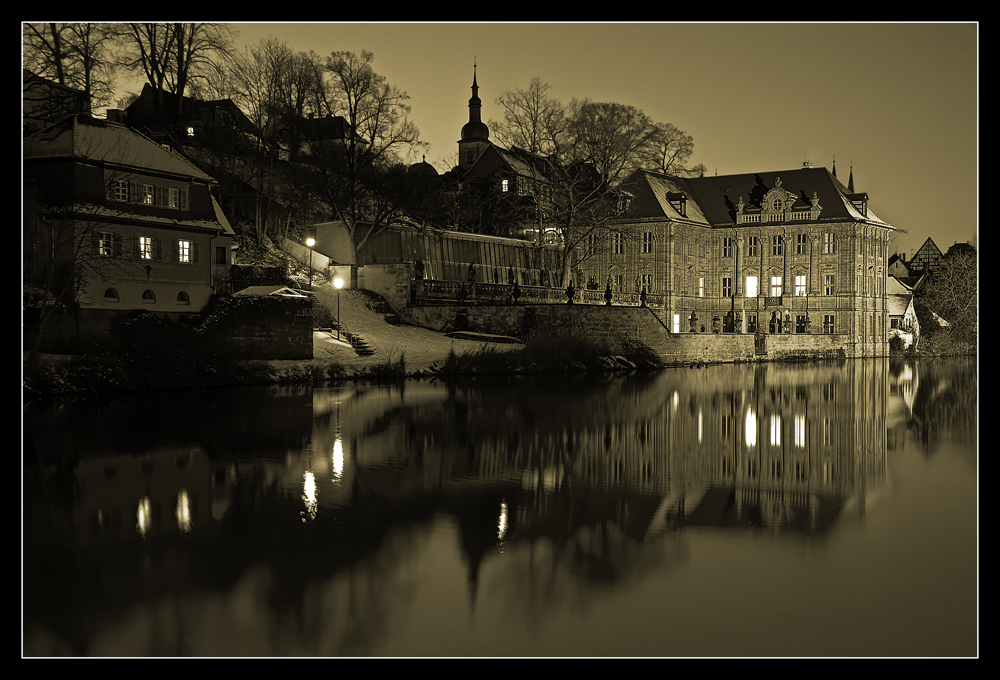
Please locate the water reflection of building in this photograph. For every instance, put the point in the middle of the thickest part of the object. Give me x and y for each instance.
(596, 469)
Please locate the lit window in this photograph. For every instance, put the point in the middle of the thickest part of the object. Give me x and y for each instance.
(147, 194)
(173, 198)
(145, 248)
(505, 185)
(751, 286)
(800, 285)
(701, 287)
(184, 251)
(190, 131)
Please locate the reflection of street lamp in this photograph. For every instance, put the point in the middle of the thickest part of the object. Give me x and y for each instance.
(310, 242)
(338, 283)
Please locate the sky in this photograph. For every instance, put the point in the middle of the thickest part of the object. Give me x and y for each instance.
(898, 103)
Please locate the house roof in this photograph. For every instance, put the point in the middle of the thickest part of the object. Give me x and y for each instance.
(718, 196)
(86, 138)
(280, 291)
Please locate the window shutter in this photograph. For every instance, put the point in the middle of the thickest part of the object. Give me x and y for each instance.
(95, 244)
(194, 251)
(157, 249)
(159, 201)
(117, 247)
(134, 192)
(184, 200)
(177, 246)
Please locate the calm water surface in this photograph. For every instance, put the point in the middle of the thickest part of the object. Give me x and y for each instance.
(775, 510)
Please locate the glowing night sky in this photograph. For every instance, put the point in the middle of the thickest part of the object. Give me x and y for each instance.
(899, 102)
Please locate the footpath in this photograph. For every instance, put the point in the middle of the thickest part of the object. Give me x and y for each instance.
(421, 347)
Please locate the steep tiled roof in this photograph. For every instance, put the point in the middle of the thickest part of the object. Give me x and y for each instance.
(718, 196)
(83, 137)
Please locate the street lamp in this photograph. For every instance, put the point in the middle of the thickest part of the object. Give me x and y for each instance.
(338, 283)
(310, 242)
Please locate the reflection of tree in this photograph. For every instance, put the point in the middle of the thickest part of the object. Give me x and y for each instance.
(946, 402)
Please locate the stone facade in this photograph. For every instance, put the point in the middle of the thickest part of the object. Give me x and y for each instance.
(791, 253)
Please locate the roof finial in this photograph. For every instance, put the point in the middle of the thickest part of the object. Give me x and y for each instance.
(834, 165)
(850, 180)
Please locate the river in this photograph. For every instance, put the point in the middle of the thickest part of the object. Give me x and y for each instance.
(776, 510)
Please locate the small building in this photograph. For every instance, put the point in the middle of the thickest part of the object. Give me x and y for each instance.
(115, 222)
(902, 315)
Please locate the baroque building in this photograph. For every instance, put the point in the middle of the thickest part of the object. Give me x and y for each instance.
(790, 252)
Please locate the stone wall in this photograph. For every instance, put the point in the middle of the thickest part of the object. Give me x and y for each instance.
(613, 324)
(391, 281)
(267, 327)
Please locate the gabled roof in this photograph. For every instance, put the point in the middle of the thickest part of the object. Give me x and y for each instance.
(86, 138)
(718, 195)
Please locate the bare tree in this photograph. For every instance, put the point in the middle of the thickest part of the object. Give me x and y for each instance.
(359, 167)
(668, 151)
(612, 137)
(173, 57)
(75, 55)
(576, 156)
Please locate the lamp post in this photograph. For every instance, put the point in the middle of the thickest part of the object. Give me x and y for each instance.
(338, 283)
(310, 242)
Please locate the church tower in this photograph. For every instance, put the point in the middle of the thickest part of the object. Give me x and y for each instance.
(475, 135)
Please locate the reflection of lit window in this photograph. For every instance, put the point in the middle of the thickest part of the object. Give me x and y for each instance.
(143, 516)
(309, 495)
(775, 430)
(751, 428)
(699, 425)
(183, 512)
(338, 459)
(800, 430)
(502, 522)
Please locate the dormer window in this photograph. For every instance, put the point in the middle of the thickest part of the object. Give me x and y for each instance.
(777, 205)
(860, 202)
(678, 201)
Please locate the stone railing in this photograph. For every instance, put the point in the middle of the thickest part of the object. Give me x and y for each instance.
(430, 292)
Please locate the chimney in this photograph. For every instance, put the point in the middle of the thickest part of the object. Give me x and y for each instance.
(807, 164)
(116, 115)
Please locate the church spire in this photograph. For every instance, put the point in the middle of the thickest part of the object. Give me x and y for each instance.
(834, 165)
(850, 180)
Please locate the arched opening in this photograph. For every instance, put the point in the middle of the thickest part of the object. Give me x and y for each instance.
(183, 299)
(148, 297)
(111, 295)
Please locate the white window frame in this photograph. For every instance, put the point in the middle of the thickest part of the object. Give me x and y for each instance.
(800, 285)
(775, 286)
(185, 251)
